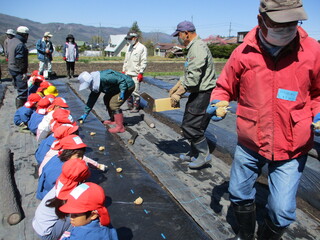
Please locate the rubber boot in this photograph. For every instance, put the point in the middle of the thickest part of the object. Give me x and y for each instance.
(246, 219)
(110, 121)
(19, 103)
(271, 232)
(192, 154)
(130, 102)
(204, 154)
(136, 105)
(72, 74)
(68, 73)
(119, 128)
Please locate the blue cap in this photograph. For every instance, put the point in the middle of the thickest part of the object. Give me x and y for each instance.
(184, 27)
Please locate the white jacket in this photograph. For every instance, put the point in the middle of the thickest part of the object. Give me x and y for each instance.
(135, 61)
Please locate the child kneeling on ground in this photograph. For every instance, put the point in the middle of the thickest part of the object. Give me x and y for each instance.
(88, 214)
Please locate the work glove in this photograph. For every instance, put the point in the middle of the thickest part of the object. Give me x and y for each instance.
(217, 109)
(140, 77)
(83, 118)
(176, 96)
(174, 88)
(316, 125)
(7, 59)
(121, 97)
(77, 59)
(64, 58)
(123, 72)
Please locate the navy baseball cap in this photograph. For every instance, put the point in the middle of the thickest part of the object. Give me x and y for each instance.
(184, 26)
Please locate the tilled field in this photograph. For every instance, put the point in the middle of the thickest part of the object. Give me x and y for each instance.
(60, 67)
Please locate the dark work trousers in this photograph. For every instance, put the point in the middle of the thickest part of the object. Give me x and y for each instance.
(195, 120)
(70, 68)
(22, 86)
(111, 100)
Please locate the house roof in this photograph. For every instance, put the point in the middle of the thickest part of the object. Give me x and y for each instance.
(81, 43)
(114, 42)
(167, 46)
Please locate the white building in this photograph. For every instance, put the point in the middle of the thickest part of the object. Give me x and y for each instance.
(116, 46)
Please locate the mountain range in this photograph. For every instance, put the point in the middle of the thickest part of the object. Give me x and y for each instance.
(80, 32)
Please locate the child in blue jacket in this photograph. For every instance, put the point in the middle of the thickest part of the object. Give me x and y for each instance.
(23, 114)
(38, 115)
(88, 215)
(72, 147)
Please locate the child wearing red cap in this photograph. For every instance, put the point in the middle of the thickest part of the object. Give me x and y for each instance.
(59, 133)
(44, 130)
(60, 117)
(23, 114)
(49, 222)
(89, 216)
(48, 143)
(38, 115)
(34, 82)
(72, 147)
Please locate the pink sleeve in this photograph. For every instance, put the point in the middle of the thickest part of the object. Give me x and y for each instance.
(91, 161)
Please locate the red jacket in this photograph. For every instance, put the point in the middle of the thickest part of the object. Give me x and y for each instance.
(277, 98)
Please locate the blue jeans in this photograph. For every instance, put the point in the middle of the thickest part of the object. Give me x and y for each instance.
(283, 179)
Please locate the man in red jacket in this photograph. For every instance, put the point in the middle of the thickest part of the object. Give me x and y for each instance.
(275, 78)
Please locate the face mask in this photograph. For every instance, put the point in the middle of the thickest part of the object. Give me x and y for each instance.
(181, 41)
(280, 36)
(132, 42)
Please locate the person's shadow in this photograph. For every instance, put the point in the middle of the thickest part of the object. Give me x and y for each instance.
(220, 192)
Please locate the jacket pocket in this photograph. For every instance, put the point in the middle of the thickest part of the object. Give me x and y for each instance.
(301, 127)
(247, 125)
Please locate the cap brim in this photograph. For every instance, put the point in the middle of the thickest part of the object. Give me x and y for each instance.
(289, 15)
(70, 208)
(176, 33)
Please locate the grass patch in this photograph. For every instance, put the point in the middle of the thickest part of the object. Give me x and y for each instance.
(157, 74)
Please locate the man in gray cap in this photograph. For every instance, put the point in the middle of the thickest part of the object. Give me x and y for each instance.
(134, 65)
(274, 75)
(10, 34)
(198, 80)
(45, 49)
(18, 63)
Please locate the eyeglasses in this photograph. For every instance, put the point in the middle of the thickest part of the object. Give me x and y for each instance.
(269, 23)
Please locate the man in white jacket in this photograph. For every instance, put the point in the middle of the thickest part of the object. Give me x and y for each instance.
(134, 65)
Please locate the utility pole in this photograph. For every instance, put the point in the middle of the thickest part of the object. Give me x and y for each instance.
(230, 30)
(100, 40)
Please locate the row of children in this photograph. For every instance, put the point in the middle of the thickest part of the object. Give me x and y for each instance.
(69, 208)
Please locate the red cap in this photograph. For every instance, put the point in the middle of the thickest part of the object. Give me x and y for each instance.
(32, 100)
(35, 73)
(62, 115)
(73, 171)
(70, 142)
(61, 102)
(39, 78)
(87, 197)
(64, 130)
(43, 104)
(45, 84)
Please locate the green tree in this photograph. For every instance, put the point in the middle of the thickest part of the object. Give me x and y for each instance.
(135, 28)
(150, 47)
(96, 39)
(222, 51)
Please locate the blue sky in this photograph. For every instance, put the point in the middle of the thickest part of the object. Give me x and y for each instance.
(211, 17)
